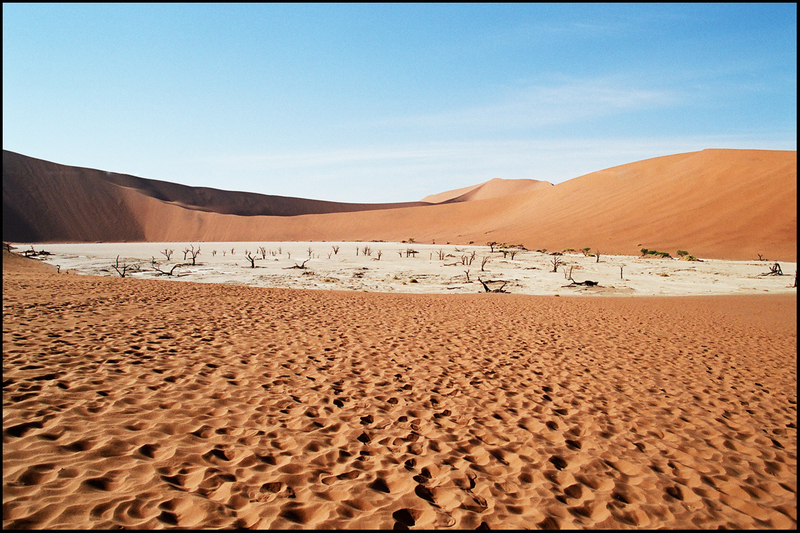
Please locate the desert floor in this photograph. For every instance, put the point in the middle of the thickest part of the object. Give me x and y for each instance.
(144, 403)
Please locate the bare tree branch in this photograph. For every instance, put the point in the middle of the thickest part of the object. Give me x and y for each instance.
(487, 289)
(194, 253)
(123, 269)
(160, 272)
(302, 266)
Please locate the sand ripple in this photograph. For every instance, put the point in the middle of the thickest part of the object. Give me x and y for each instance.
(142, 404)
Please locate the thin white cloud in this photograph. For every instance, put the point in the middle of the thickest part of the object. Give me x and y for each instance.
(535, 106)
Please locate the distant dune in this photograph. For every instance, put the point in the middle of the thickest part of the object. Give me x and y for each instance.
(728, 204)
(491, 189)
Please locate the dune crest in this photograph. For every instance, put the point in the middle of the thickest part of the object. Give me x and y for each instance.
(725, 204)
(494, 188)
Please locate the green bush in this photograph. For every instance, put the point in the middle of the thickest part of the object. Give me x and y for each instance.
(645, 252)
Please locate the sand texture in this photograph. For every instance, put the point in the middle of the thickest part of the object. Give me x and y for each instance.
(148, 404)
(722, 204)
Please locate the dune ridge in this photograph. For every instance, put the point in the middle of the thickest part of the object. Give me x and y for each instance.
(149, 404)
(45, 201)
(494, 188)
(725, 204)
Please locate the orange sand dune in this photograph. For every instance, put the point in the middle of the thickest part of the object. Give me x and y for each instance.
(491, 189)
(727, 204)
(149, 404)
(44, 201)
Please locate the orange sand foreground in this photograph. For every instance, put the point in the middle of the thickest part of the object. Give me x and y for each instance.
(154, 404)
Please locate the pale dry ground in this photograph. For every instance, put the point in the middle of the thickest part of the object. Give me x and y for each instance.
(437, 268)
(145, 404)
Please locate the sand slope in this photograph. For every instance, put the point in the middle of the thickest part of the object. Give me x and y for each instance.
(44, 201)
(494, 188)
(727, 204)
(147, 404)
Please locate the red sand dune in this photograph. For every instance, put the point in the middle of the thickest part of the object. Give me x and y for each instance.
(494, 188)
(728, 204)
(48, 202)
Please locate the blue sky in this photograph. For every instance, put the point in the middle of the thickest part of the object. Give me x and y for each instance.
(391, 102)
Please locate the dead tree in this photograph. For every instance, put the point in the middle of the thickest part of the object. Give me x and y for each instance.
(160, 272)
(491, 246)
(379, 255)
(367, 250)
(487, 289)
(194, 253)
(588, 283)
(620, 271)
(122, 269)
(762, 258)
(467, 273)
(513, 253)
(252, 259)
(263, 251)
(411, 252)
(335, 250)
(774, 270)
(213, 253)
(167, 253)
(34, 253)
(484, 260)
(441, 254)
(556, 262)
(300, 266)
(597, 255)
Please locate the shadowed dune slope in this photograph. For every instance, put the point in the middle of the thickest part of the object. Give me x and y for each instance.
(44, 201)
(728, 204)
